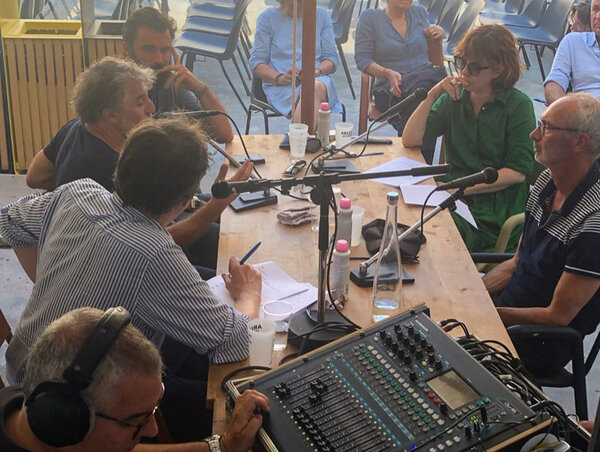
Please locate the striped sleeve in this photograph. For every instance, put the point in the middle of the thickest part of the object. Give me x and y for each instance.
(583, 255)
(177, 302)
(21, 222)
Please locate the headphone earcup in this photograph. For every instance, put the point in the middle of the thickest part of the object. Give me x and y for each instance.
(57, 414)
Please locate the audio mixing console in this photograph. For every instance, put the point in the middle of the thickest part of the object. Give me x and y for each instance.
(401, 385)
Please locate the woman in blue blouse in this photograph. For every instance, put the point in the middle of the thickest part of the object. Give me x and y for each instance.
(391, 44)
(271, 58)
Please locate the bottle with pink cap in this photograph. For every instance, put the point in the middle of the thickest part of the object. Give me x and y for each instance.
(340, 278)
(344, 227)
(324, 124)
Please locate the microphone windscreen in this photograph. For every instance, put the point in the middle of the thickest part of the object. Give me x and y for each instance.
(491, 175)
(420, 94)
(220, 190)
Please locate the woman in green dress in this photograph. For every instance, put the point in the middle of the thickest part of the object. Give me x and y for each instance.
(485, 122)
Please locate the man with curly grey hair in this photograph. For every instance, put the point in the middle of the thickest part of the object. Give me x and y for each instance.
(121, 399)
(555, 277)
(110, 98)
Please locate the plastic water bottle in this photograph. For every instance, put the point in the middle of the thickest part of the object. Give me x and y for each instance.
(341, 270)
(344, 228)
(387, 285)
(324, 124)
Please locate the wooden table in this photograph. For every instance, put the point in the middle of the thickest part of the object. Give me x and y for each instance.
(445, 278)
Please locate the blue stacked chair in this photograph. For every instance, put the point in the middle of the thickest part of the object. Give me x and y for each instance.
(221, 47)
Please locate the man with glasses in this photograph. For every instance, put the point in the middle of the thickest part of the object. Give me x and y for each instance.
(555, 277)
(124, 394)
(577, 62)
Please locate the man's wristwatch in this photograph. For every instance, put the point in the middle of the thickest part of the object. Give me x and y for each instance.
(213, 443)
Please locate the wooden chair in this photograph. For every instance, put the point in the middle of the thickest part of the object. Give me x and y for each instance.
(367, 108)
(5, 336)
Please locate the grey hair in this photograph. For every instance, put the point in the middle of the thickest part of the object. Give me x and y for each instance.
(102, 86)
(586, 118)
(57, 346)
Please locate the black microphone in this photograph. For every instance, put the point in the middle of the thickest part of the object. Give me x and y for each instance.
(194, 113)
(419, 95)
(222, 189)
(486, 176)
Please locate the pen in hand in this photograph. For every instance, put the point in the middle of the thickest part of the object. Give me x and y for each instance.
(249, 253)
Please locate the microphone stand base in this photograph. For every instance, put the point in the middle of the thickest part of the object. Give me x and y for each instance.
(366, 279)
(247, 201)
(301, 324)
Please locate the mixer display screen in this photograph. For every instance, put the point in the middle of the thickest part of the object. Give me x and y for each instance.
(453, 389)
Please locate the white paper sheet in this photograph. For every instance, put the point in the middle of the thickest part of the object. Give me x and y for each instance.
(276, 285)
(416, 194)
(400, 163)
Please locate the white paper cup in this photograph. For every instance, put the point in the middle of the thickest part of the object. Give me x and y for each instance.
(262, 337)
(343, 133)
(358, 216)
(298, 134)
(280, 312)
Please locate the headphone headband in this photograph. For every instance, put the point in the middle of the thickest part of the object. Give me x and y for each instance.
(95, 347)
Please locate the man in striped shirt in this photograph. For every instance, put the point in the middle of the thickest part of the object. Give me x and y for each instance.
(84, 246)
(555, 277)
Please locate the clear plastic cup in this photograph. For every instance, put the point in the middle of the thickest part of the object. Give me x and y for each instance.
(343, 133)
(280, 312)
(358, 216)
(298, 134)
(262, 337)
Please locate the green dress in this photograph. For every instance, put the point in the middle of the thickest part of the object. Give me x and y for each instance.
(497, 137)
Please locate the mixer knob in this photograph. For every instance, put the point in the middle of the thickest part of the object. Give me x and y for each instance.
(397, 328)
(419, 353)
(438, 364)
(467, 432)
(400, 352)
(412, 375)
(394, 346)
(405, 339)
(443, 408)
(429, 348)
(388, 340)
(382, 334)
(411, 330)
(407, 359)
(412, 346)
(423, 342)
(431, 357)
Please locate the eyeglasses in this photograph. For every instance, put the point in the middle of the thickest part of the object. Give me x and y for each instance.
(295, 168)
(138, 426)
(472, 67)
(543, 126)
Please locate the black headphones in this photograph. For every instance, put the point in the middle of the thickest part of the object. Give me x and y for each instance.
(56, 412)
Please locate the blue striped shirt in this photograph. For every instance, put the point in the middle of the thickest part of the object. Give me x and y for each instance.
(96, 251)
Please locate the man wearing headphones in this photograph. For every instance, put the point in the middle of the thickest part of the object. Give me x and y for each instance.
(93, 383)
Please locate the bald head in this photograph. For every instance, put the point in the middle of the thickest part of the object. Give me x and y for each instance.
(581, 111)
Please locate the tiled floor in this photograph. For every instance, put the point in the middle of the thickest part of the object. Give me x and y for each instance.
(15, 286)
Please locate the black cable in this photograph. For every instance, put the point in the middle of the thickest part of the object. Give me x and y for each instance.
(425, 205)
(232, 374)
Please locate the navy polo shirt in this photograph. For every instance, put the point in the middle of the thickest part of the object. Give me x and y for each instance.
(77, 154)
(566, 240)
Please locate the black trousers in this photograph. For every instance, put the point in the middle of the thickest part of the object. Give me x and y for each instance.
(540, 357)
(184, 401)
